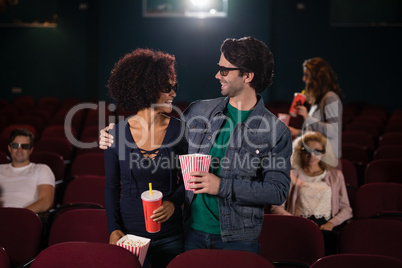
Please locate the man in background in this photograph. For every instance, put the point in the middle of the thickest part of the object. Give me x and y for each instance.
(25, 184)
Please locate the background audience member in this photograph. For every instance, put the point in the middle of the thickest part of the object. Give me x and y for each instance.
(25, 184)
(325, 97)
(317, 190)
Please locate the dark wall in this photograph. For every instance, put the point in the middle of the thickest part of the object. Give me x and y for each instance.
(367, 60)
(75, 58)
(52, 61)
(194, 42)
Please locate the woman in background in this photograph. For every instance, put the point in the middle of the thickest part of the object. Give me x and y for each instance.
(317, 190)
(325, 97)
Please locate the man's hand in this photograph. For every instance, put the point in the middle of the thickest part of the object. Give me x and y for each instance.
(164, 212)
(105, 139)
(205, 183)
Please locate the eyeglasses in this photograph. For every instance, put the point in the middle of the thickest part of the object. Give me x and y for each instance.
(24, 146)
(224, 71)
(314, 152)
(169, 88)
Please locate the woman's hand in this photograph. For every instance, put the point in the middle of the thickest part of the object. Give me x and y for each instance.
(293, 131)
(105, 139)
(164, 212)
(302, 110)
(328, 226)
(115, 236)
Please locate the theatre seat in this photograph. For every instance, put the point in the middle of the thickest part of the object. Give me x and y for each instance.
(20, 234)
(201, 258)
(85, 254)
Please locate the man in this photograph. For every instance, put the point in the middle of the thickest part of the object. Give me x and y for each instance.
(250, 151)
(25, 184)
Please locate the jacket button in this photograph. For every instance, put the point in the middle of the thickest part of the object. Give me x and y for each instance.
(209, 137)
(257, 151)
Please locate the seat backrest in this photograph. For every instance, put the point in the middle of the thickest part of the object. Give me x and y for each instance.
(88, 164)
(200, 258)
(372, 236)
(4, 144)
(53, 160)
(393, 126)
(355, 153)
(7, 131)
(388, 152)
(4, 259)
(85, 189)
(58, 131)
(91, 131)
(85, 254)
(383, 170)
(36, 121)
(291, 238)
(80, 224)
(351, 179)
(391, 138)
(360, 138)
(350, 173)
(20, 234)
(356, 260)
(4, 158)
(367, 127)
(92, 143)
(56, 145)
(376, 198)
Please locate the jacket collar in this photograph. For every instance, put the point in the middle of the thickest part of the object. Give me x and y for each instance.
(251, 123)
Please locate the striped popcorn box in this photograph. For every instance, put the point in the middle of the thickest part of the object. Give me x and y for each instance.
(193, 162)
(136, 244)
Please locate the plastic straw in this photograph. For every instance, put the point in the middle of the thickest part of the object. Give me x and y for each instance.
(150, 188)
(302, 92)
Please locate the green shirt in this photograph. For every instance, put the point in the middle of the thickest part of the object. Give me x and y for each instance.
(205, 207)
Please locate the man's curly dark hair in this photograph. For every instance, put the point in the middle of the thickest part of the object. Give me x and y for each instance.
(251, 55)
(136, 81)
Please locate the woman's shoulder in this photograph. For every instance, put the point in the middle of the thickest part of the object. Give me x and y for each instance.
(330, 96)
(335, 174)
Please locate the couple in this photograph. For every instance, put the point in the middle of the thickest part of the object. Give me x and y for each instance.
(252, 147)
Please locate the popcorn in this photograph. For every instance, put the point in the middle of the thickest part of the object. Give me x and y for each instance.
(135, 244)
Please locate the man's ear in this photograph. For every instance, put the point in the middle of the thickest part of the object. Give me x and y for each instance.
(248, 77)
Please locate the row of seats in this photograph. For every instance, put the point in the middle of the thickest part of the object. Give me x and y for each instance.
(88, 254)
(284, 239)
(90, 169)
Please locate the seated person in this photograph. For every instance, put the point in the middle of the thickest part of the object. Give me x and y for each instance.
(25, 184)
(317, 191)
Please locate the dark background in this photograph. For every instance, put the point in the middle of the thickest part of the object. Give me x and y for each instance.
(75, 57)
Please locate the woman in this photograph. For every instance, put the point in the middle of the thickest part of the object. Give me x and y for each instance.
(317, 190)
(325, 97)
(145, 150)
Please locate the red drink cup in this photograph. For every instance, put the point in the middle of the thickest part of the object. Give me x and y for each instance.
(193, 162)
(298, 99)
(150, 203)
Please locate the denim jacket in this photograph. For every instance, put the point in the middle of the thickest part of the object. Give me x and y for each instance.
(256, 167)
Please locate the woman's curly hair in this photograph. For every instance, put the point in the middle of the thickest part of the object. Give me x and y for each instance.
(328, 160)
(323, 79)
(136, 81)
